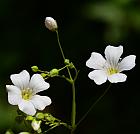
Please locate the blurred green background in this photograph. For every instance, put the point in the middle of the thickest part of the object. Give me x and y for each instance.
(84, 27)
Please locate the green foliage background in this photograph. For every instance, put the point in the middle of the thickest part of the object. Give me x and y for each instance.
(84, 27)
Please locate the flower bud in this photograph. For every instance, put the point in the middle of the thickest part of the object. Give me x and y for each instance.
(51, 24)
(29, 118)
(36, 125)
(40, 116)
(43, 75)
(54, 72)
(71, 65)
(9, 132)
(34, 68)
(67, 61)
(49, 117)
(24, 133)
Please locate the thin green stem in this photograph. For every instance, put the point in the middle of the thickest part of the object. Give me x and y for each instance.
(73, 113)
(93, 105)
(62, 68)
(60, 45)
(73, 116)
(49, 129)
(62, 52)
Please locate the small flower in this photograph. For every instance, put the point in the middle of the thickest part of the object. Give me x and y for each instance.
(23, 92)
(51, 24)
(111, 67)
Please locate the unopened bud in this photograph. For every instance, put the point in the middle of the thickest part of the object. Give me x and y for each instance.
(40, 116)
(34, 68)
(43, 75)
(54, 72)
(67, 61)
(36, 124)
(71, 65)
(51, 24)
(29, 118)
(49, 117)
(24, 133)
(9, 132)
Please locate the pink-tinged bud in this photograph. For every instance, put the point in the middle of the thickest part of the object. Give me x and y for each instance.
(51, 24)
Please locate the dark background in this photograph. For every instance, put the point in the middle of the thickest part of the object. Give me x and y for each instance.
(84, 27)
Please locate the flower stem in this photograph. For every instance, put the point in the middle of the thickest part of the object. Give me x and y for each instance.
(73, 116)
(60, 45)
(73, 113)
(62, 52)
(102, 95)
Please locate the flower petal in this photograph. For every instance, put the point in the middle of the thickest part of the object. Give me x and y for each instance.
(38, 84)
(115, 78)
(113, 54)
(21, 80)
(99, 76)
(40, 102)
(96, 61)
(14, 94)
(27, 107)
(127, 63)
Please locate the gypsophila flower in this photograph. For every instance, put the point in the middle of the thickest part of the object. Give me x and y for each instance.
(51, 24)
(111, 67)
(24, 92)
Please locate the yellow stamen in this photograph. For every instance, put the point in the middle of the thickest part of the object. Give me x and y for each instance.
(26, 94)
(111, 71)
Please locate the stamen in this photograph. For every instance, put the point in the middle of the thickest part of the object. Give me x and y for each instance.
(111, 71)
(26, 93)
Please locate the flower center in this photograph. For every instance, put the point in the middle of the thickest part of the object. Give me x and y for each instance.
(26, 93)
(111, 71)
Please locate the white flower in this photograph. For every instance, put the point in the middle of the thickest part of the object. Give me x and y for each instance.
(111, 67)
(51, 24)
(23, 92)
